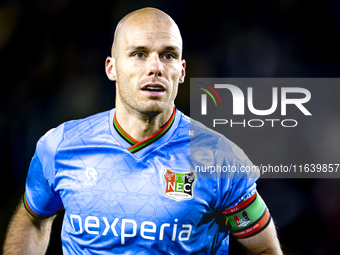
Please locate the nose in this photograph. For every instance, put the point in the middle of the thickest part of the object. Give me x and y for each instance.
(155, 66)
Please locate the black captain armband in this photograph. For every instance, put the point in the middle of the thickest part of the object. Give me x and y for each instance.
(247, 218)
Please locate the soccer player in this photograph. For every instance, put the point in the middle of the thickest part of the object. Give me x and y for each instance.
(126, 177)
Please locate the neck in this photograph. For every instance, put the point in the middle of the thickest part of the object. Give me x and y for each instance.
(141, 125)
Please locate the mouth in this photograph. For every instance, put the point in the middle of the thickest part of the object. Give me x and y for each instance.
(153, 89)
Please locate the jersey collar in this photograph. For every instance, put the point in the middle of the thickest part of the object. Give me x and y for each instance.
(136, 147)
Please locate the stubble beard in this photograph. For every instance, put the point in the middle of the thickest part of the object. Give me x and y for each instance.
(132, 104)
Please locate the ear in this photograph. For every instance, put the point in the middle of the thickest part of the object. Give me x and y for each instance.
(110, 68)
(181, 78)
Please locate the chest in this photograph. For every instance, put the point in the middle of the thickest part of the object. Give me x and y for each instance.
(110, 183)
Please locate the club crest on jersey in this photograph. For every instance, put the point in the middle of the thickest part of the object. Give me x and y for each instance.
(179, 186)
(242, 220)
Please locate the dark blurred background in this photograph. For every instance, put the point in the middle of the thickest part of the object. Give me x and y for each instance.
(52, 56)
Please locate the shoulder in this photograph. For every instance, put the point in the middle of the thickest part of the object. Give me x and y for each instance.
(207, 140)
(50, 141)
(197, 129)
(92, 124)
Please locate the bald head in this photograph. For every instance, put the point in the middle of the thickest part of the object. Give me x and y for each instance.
(146, 19)
(146, 65)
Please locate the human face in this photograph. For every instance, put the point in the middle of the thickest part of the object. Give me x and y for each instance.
(147, 66)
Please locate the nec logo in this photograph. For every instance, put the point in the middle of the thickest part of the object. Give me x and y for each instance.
(239, 99)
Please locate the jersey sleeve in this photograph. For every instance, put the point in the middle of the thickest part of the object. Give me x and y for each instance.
(40, 198)
(244, 211)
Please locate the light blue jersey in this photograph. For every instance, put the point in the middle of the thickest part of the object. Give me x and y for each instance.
(122, 196)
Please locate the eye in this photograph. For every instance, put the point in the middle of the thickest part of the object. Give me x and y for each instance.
(139, 55)
(169, 56)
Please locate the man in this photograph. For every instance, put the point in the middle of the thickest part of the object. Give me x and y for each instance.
(125, 177)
